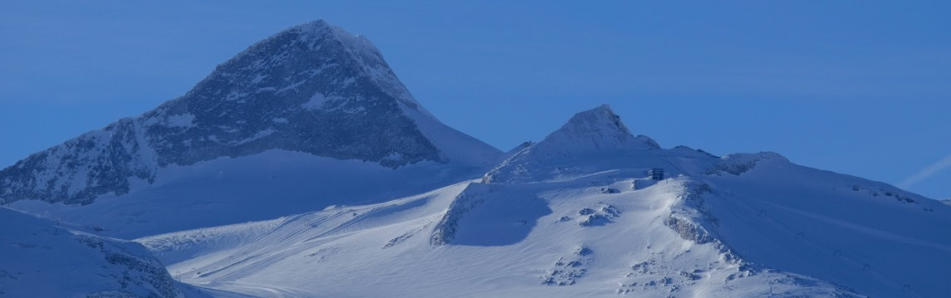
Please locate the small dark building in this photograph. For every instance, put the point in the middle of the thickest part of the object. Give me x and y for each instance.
(656, 173)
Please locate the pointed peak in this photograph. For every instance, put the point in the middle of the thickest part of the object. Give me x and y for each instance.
(315, 24)
(600, 120)
(321, 29)
(603, 107)
(591, 140)
(597, 129)
(316, 60)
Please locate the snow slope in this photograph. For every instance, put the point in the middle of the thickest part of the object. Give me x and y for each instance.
(564, 239)
(310, 117)
(39, 258)
(873, 237)
(234, 190)
(577, 215)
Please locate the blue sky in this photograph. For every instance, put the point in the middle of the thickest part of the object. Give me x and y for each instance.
(858, 87)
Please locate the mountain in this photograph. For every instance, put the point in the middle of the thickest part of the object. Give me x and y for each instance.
(44, 259)
(299, 121)
(303, 167)
(579, 214)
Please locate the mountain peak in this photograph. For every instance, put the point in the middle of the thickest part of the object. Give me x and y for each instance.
(312, 88)
(592, 135)
(597, 129)
(319, 29)
(291, 58)
(600, 121)
(315, 24)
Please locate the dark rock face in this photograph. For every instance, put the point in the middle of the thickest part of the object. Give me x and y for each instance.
(312, 88)
(77, 171)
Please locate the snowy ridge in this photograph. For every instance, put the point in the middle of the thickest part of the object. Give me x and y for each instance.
(42, 259)
(81, 168)
(312, 88)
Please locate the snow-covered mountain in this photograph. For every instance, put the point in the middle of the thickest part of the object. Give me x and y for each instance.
(43, 259)
(310, 117)
(302, 167)
(577, 214)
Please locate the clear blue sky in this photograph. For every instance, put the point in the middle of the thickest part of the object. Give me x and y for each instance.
(858, 87)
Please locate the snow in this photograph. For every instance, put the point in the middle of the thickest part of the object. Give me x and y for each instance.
(575, 214)
(256, 136)
(43, 259)
(872, 237)
(234, 190)
(362, 51)
(315, 102)
(590, 142)
(592, 223)
(266, 89)
(235, 95)
(515, 243)
(349, 71)
(458, 147)
(258, 78)
(597, 129)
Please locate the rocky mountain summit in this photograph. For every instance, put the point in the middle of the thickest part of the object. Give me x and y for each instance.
(313, 88)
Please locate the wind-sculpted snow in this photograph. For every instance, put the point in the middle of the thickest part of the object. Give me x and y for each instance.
(313, 88)
(490, 215)
(42, 259)
(868, 236)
